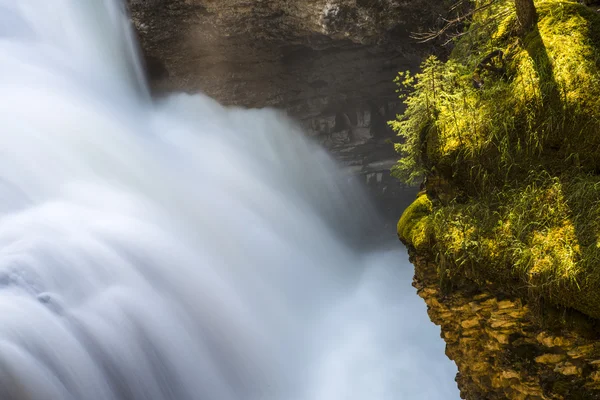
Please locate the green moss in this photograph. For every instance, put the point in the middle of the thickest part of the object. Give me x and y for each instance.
(521, 153)
(413, 226)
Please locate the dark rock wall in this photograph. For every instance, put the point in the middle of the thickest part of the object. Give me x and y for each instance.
(329, 63)
(317, 59)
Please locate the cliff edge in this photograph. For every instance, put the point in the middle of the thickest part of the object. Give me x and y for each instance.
(505, 235)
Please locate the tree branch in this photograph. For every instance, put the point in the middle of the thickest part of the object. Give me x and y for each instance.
(424, 37)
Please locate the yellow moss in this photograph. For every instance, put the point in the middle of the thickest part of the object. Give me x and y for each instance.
(457, 236)
(566, 34)
(526, 80)
(506, 24)
(492, 248)
(413, 225)
(555, 255)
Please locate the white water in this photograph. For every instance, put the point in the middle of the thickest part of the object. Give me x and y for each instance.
(181, 250)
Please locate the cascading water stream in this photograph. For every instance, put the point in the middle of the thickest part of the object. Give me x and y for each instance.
(179, 249)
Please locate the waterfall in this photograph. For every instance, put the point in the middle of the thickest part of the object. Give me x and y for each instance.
(178, 249)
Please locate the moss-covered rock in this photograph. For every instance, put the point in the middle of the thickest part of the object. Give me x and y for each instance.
(519, 144)
(414, 227)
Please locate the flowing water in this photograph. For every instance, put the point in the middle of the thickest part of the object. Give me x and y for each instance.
(177, 249)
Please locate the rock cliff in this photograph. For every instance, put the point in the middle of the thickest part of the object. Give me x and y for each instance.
(316, 58)
(504, 349)
(504, 234)
(329, 63)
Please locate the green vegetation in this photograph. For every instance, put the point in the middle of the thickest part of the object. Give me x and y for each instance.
(519, 144)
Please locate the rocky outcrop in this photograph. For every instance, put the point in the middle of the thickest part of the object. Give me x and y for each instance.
(329, 63)
(505, 237)
(504, 349)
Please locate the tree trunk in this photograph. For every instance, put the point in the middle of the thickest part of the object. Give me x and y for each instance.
(526, 14)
